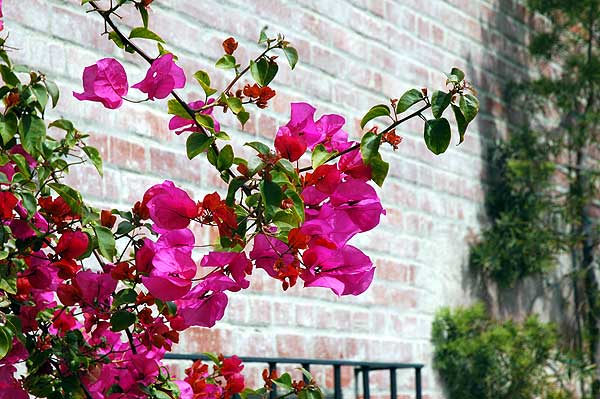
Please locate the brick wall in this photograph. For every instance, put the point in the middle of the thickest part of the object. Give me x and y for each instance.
(353, 54)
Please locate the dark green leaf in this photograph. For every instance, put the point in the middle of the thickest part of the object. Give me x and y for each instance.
(369, 146)
(41, 94)
(121, 320)
(408, 99)
(226, 62)
(375, 112)
(263, 71)
(106, 242)
(144, 33)
(9, 78)
(284, 381)
(94, 156)
(33, 132)
(437, 135)
(271, 196)
(127, 295)
(29, 202)
(144, 15)
(379, 170)
(439, 102)
(461, 122)
(116, 39)
(260, 147)
(458, 73)
(291, 55)
(8, 127)
(6, 338)
(234, 186)
(469, 105)
(225, 158)
(125, 227)
(21, 164)
(197, 143)
(62, 124)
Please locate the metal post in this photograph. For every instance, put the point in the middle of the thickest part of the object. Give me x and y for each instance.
(337, 382)
(365, 378)
(305, 366)
(393, 384)
(273, 367)
(418, 382)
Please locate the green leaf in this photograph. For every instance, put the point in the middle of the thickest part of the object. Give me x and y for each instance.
(204, 80)
(33, 132)
(437, 135)
(298, 208)
(225, 158)
(235, 104)
(125, 227)
(469, 105)
(62, 124)
(284, 381)
(116, 39)
(461, 122)
(271, 196)
(223, 136)
(234, 186)
(197, 143)
(70, 195)
(408, 99)
(41, 94)
(213, 357)
(458, 73)
(29, 202)
(206, 121)
(292, 56)
(379, 170)
(263, 71)
(8, 76)
(226, 62)
(94, 156)
(243, 117)
(144, 33)
(375, 112)
(121, 320)
(6, 338)
(262, 37)
(369, 146)
(8, 127)
(319, 156)
(21, 164)
(175, 108)
(106, 242)
(439, 102)
(258, 146)
(127, 295)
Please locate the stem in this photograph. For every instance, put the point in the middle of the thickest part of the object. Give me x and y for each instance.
(387, 129)
(106, 16)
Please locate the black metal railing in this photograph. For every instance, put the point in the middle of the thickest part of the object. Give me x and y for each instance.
(361, 371)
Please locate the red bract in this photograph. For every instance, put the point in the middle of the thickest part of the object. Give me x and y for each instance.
(72, 244)
(214, 210)
(289, 146)
(7, 203)
(104, 82)
(57, 210)
(230, 45)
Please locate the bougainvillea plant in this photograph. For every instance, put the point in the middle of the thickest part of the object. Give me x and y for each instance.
(91, 300)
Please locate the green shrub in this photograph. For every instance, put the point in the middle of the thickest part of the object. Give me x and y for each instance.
(478, 357)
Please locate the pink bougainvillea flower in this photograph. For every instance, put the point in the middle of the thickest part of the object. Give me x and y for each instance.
(72, 244)
(302, 124)
(353, 165)
(171, 275)
(104, 82)
(267, 251)
(170, 208)
(95, 287)
(188, 125)
(346, 271)
(1, 16)
(162, 78)
(234, 263)
(331, 134)
(22, 228)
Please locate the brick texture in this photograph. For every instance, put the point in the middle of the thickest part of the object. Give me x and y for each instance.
(353, 54)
